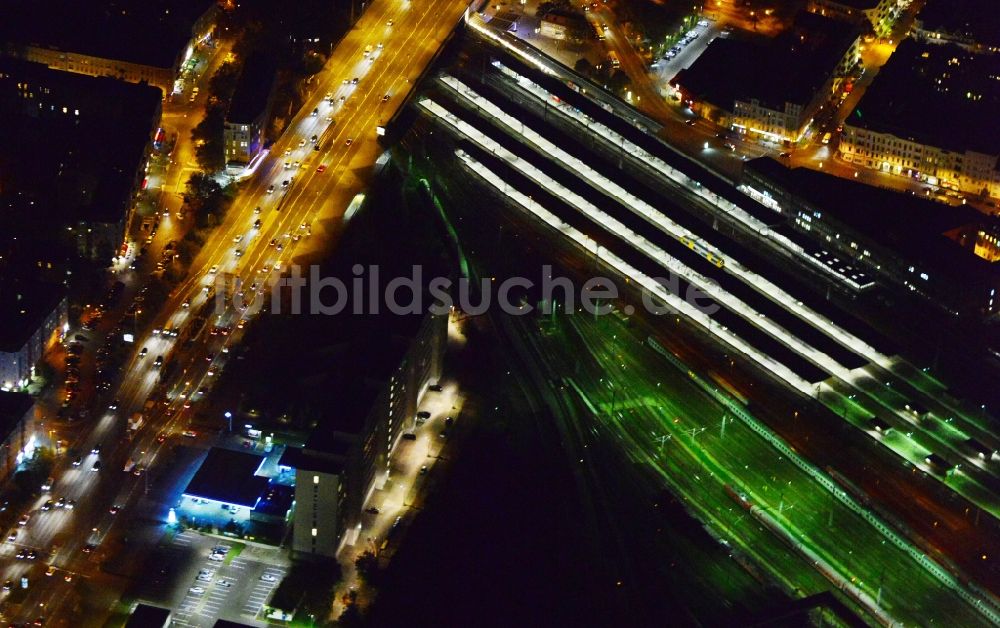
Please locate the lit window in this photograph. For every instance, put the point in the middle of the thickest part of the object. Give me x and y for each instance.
(314, 531)
(315, 479)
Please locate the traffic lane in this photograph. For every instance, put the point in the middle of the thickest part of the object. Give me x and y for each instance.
(137, 392)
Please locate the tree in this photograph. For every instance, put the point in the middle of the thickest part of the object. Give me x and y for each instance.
(584, 67)
(367, 566)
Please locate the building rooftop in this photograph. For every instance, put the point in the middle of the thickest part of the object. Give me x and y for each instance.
(24, 305)
(972, 20)
(147, 616)
(13, 407)
(94, 131)
(228, 476)
(940, 95)
(326, 452)
(147, 32)
(863, 5)
(916, 228)
(253, 89)
(788, 68)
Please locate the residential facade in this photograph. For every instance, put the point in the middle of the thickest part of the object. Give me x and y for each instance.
(337, 470)
(245, 125)
(930, 115)
(32, 316)
(142, 43)
(877, 15)
(771, 92)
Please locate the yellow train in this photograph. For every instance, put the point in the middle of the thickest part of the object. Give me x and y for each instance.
(698, 247)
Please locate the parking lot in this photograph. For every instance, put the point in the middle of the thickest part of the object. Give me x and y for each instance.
(684, 54)
(235, 585)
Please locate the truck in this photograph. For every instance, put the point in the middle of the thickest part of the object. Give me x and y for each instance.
(135, 422)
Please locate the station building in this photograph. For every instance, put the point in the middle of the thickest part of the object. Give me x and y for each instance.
(949, 255)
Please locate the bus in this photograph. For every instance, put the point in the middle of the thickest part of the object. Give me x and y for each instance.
(615, 63)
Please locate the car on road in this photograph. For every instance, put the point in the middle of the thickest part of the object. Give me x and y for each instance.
(47, 506)
(349, 141)
(285, 183)
(186, 303)
(237, 239)
(158, 362)
(270, 189)
(8, 585)
(268, 578)
(113, 405)
(23, 521)
(372, 510)
(214, 269)
(423, 415)
(224, 583)
(143, 352)
(385, 98)
(321, 168)
(206, 576)
(12, 536)
(238, 252)
(217, 557)
(354, 81)
(96, 466)
(409, 436)
(435, 387)
(114, 509)
(189, 434)
(96, 449)
(51, 570)
(88, 548)
(78, 461)
(197, 590)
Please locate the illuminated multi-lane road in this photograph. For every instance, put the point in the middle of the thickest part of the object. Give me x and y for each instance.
(403, 36)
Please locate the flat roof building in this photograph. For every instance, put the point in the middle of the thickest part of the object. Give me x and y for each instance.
(228, 477)
(97, 134)
(32, 314)
(877, 15)
(17, 411)
(931, 115)
(148, 616)
(973, 24)
(950, 255)
(250, 109)
(132, 40)
(772, 90)
(347, 455)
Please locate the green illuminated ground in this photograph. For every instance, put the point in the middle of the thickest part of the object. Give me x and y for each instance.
(666, 422)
